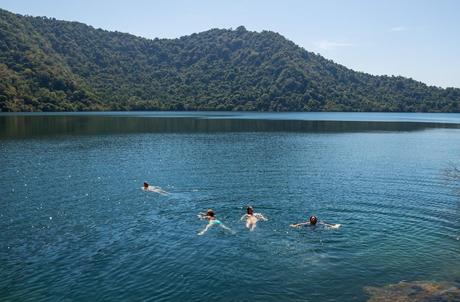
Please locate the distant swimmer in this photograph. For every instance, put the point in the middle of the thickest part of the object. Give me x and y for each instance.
(211, 217)
(313, 221)
(252, 218)
(150, 188)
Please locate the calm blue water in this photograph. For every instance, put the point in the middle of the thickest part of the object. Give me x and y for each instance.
(75, 224)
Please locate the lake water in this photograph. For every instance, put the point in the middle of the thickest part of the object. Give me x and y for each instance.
(75, 224)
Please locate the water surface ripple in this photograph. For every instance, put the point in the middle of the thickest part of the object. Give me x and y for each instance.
(75, 224)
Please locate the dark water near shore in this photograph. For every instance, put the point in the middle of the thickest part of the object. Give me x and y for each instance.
(75, 224)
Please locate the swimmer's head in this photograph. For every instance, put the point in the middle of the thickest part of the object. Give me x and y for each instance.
(250, 210)
(146, 185)
(313, 220)
(210, 213)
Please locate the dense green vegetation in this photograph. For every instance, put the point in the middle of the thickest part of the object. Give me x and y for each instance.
(51, 65)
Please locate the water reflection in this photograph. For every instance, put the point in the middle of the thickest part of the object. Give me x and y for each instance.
(22, 126)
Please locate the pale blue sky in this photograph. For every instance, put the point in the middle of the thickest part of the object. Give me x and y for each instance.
(412, 38)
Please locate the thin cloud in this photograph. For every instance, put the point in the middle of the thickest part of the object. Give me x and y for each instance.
(399, 29)
(328, 45)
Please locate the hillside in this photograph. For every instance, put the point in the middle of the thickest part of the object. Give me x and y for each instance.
(51, 65)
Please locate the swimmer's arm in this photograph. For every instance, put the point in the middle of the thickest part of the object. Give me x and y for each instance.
(331, 225)
(243, 217)
(202, 215)
(296, 225)
(260, 216)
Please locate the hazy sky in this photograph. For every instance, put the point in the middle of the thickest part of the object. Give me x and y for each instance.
(413, 38)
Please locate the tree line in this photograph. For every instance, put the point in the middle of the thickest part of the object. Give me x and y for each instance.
(52, 65)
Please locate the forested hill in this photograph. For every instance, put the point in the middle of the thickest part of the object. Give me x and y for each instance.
(51, 65)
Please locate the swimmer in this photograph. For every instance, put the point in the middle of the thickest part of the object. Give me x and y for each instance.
(313, 221)
(211, 217)
(252, 218)
(150, 188)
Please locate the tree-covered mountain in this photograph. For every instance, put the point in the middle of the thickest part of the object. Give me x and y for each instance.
(52, 65)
